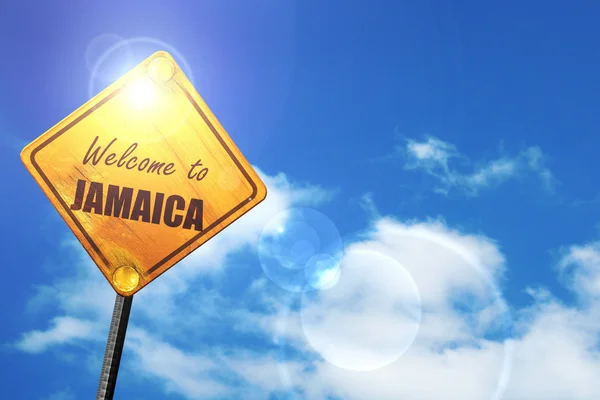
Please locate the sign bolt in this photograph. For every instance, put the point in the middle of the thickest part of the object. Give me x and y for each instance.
(161, 69)
(126, 278)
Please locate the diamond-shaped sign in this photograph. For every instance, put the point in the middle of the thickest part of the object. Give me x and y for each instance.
(143, 174)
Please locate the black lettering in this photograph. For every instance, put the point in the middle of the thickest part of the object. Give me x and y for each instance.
(202, 174)
(141, 208)
(191, 173)
(158, 203)
(173, 220)
(129, 150)
(169, 166)
(145, 160)
(94, 155)
(155, 166)
(118, 204)
(109, 158)
(134, 159)
(194, 215)
(93, 201)
(78, 195)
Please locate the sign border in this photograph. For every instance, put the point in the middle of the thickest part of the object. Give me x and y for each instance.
(181, 248)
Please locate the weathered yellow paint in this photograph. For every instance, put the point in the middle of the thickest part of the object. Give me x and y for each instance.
(155, 106)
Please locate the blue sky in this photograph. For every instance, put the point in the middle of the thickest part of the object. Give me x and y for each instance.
(451, 145)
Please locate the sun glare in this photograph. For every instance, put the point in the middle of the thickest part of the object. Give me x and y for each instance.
(141, 92)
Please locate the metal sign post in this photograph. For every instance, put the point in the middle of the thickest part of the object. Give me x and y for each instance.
(114, 348)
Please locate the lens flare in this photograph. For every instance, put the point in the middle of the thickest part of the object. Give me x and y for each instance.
(300, 249)
(120, 56)
(107, 69)
(141, 93)
(322, 271)
(370, 315)
(369, 319)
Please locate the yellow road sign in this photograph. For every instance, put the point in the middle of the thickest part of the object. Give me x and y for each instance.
(143, 174)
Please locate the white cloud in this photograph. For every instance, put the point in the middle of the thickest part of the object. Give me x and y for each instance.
(63, 330)
(580, 267)
(433, 151)
(181, 372)
(557, 358)
(493, 172)
(66, 394)
(461, 345)
(367, 203)
(367, 320)
(437, 157)
(554, 354)
(263, 371)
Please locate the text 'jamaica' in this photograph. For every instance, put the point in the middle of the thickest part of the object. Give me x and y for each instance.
(121, 204)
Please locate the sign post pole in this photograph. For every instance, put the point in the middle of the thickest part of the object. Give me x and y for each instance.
(114, 348)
